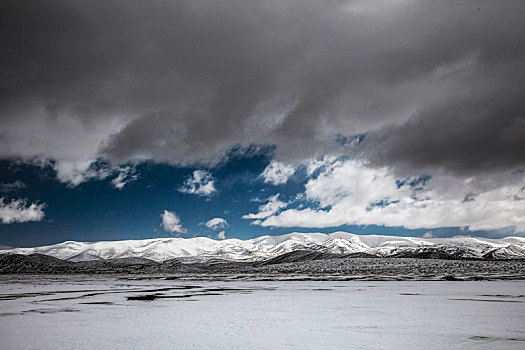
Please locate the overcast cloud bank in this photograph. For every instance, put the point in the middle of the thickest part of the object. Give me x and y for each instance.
(404, 88)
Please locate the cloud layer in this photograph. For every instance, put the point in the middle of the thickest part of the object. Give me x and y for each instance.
(352, 193)
(85, 79)
(404, 88)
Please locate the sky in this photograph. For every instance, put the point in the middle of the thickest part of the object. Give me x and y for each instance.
(235, 119)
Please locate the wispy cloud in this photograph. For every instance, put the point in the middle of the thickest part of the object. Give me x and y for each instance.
(272, 206)
(126, 175)
(200, 183)
(13, 186)
(17, 210)
(216, 223)
(277, 173)
(73, 173)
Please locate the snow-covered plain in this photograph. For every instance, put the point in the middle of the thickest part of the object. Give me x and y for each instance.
(94, 312)
(265, 247)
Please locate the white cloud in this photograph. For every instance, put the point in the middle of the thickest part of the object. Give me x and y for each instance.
(221, 235)
(428, 234)
(200, 183)
(277, 173)
(350, 192)
(18, 211)
(313, 165)
(273, 205)
(171, 222)
(125, 175)
(13, 186)
(216, 223)
(73, 173)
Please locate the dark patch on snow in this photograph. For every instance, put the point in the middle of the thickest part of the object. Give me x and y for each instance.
(482, 337)
(488, 300)
(98, 303)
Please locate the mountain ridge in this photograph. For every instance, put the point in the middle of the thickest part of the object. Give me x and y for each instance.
(266, 247)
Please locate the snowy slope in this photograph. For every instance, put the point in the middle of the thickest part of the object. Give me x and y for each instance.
(265, 247)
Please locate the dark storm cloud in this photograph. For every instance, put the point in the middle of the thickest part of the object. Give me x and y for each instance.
(184, 81)
(465, 135)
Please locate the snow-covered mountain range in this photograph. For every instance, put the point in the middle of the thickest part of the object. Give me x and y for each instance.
(266, 247)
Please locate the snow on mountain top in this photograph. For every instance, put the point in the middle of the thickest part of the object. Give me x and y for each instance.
(264, 247)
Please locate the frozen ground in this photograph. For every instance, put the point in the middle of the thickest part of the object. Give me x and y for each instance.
(205, 312)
